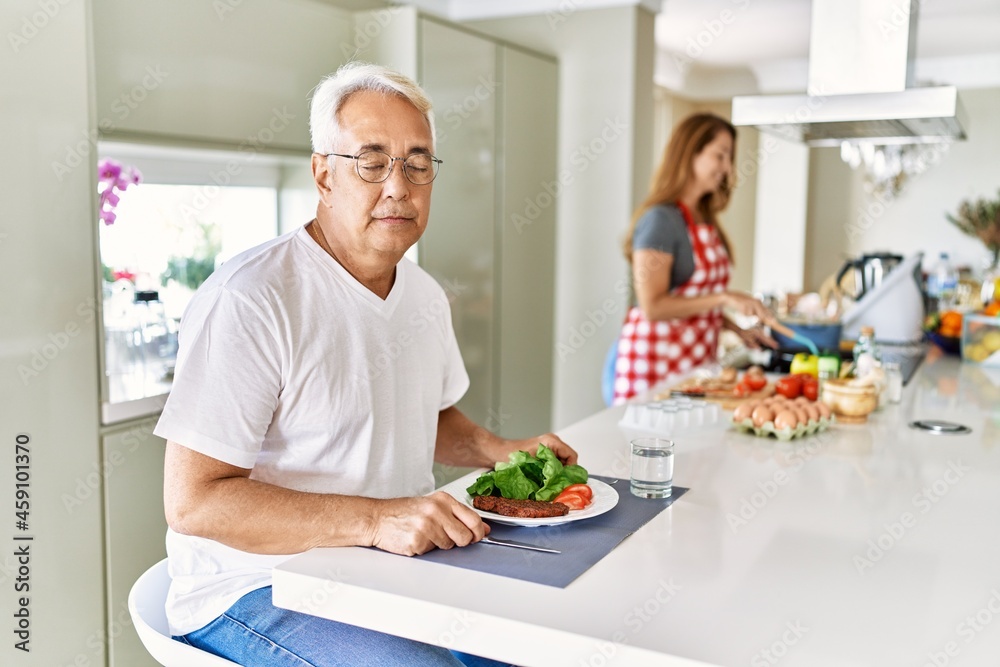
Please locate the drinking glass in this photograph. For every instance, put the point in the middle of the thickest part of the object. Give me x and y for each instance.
(652, 467)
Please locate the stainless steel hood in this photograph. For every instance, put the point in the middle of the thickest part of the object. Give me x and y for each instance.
(861, 87)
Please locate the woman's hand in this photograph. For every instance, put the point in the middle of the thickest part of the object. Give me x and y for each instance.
(747, 305)
(755, 338)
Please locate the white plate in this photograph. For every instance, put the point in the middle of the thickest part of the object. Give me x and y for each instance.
(605, 498)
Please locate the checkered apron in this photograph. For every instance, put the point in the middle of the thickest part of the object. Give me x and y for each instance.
(649, 352)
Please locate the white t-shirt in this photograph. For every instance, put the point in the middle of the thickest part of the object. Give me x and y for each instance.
(290, 367)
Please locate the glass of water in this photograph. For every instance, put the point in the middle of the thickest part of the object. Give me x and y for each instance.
(652, 468)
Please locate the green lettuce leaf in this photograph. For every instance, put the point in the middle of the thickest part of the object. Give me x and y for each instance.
(576, 474)
(523, 476)
(513, 483)
(483, 486)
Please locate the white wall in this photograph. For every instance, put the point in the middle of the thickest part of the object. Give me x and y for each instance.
(915, 221)
(782, 203)
(605, 153)
(831, 183)
(845, 221)
(48, 333)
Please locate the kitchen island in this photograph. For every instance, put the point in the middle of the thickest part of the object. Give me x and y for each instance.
(866, 544)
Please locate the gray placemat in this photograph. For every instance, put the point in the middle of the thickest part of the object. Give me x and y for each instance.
(582, 543)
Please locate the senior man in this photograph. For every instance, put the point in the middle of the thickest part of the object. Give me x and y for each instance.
(286, 428)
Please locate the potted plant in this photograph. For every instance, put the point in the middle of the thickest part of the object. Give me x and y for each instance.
(981, 219)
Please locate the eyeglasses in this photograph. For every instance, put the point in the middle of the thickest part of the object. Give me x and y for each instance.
(375, 166)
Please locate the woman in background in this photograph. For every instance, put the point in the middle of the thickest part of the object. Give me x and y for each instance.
(681, 260)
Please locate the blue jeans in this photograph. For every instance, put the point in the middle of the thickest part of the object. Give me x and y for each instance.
(255, 633)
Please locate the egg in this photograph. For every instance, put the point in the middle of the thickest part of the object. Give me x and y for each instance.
(786, 419)
(761, 415)
(813, 412)
(802, 400)
(801, 413)
(743, 411)
(824, 409)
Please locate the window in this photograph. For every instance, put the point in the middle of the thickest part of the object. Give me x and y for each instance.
(192, 211)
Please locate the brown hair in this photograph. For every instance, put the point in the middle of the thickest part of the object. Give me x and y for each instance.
(675, 171)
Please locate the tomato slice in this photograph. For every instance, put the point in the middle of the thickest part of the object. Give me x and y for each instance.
(582, 489)
(572, 500)
(741, 390)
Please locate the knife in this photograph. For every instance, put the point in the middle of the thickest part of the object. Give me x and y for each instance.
(516, 545)
(687, 393)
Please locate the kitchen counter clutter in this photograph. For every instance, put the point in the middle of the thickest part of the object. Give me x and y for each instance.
(871, 544)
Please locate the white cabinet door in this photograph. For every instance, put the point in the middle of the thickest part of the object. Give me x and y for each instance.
(529, 194)
(458, 70)
(135, 529)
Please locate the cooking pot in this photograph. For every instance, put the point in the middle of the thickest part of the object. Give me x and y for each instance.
(868, 272)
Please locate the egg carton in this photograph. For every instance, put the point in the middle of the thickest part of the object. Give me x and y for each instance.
(767, 429)
(671, 416)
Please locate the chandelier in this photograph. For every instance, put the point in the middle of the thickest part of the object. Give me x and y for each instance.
(887, 169)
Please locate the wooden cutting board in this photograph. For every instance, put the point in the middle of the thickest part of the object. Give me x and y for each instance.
(725, 401)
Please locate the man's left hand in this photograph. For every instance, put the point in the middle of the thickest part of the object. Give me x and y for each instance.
(564, 452)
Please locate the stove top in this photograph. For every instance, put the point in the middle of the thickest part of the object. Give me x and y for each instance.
(908, 355)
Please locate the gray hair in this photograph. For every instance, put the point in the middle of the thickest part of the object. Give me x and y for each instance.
(334, 90)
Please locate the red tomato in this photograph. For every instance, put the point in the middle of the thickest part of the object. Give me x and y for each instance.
(810, 389)
(572, 500)
(789, 387)
(582, 489)
(754, 381)
(741, 390)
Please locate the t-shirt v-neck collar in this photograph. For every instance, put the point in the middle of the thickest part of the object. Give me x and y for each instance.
(384, 306)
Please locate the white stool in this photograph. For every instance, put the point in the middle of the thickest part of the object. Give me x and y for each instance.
(145, 603)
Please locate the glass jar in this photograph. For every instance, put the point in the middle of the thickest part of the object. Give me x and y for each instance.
(893, 381)
(866, 353)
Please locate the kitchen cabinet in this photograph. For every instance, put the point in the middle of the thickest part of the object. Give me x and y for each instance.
(492, 233)
(491, 237)
(134, 528)
(226, 73)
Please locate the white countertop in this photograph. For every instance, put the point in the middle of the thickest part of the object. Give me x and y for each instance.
(864, 545)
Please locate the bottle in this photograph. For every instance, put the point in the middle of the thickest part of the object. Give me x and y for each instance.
(866, 353)
(942, 283)
(828, 365)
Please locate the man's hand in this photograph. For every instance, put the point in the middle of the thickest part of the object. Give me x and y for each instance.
(563, 452)
(461, 443)
(410, 526)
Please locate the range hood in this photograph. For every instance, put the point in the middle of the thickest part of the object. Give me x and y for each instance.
(861, 86)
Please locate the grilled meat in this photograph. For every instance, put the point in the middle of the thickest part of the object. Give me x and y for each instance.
(521, 509)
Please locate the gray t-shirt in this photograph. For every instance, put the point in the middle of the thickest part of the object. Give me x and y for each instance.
(663, 228)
